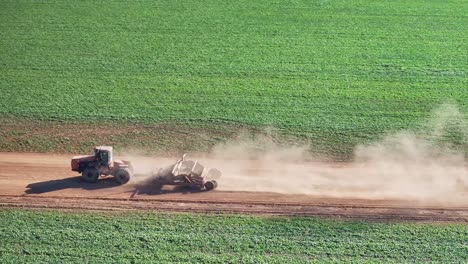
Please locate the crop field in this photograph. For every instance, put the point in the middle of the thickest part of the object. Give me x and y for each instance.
(335, 73)
(51, 237)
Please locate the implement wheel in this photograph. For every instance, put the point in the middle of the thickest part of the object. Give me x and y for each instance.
(210, 185)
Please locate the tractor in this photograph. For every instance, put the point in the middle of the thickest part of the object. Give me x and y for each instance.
(101, 163)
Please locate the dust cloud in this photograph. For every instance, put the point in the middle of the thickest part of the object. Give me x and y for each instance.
(425, 165)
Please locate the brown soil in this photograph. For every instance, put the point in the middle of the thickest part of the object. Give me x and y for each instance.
(32, 135)
(30, 180)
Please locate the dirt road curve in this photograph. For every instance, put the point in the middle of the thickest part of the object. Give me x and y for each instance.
(45, 181)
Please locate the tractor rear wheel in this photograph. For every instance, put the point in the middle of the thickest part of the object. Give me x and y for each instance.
(210, 185)
(90, 174)
(122, 175)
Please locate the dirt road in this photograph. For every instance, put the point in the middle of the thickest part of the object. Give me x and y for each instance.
(33, 180)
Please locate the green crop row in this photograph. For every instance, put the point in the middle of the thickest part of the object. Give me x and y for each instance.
(51, 237)
(334, 72)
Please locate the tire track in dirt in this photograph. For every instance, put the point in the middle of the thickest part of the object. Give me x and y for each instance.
(367, 212)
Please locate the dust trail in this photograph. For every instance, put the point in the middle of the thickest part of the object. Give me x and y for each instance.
(426, 166)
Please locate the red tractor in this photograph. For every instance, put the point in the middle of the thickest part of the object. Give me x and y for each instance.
(101, 163)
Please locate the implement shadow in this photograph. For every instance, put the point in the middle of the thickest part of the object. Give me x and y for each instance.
(147, 188)
(69, 183)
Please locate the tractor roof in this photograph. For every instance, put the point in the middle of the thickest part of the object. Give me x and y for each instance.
(105, 148)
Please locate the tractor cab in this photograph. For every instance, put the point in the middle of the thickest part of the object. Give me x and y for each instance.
(103, 155)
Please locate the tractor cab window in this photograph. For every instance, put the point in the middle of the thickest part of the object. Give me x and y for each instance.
(104, 157)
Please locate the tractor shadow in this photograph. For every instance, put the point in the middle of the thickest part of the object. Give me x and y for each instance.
(69, 183)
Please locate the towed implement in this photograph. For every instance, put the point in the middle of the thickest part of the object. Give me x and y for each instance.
(187, 173)
(101, 163)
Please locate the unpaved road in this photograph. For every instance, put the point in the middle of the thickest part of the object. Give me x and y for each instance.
(30, 180)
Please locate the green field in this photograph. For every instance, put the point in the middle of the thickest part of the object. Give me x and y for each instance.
(334, 73)
(183, 76)
(54, 237)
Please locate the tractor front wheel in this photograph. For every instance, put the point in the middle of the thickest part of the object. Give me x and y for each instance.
(90, 174)
(122, 176)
